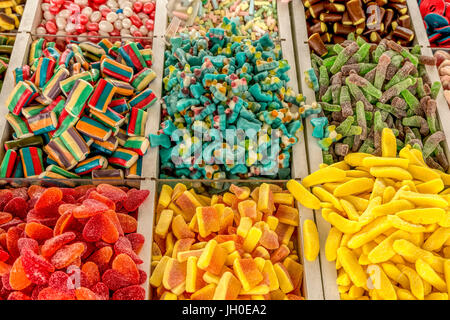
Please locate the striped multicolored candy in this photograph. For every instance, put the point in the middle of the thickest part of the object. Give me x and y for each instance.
(34, 89)
(49, 160)
(119, 105)
(105, 44)
(32, 162)
(21, 73)
(147, 54)
(79, 58)
(122, 136)
(94, 163)
(18, 169)
(43, 122)
(28, 112)
(51, 52)
(123, 158)
(132, 56)
(77, 98)
(93, 129)
(19, 126)
(102, 95)
(61, 180)
(57, 106)
(58, 151)
(110, 118)
(52, 88)
(65, 57)
(89, 140)
(8, 164)
(67, 122)
(137, 122)
(107, 174)
(135, 171)
(137, 144)
(33, 141)
(143, 100)
(142, 79)
(19, 97)
(67, 84)
(58, 170)
(36, 50)
(44, 71)
(92, 48)
(75, 144)
(122, 88)
(116, 70)
(107, 147)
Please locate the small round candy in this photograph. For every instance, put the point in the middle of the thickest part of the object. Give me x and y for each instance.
(45, 6)
(105, 26)
(137, 6)
(81, 2)
(143, 30)
(126, 23)
(64, 13)
(92, 26)
(127, 12)
(99, 2)
(57, 2)
(83, 19)
(111, 17)
(53, 10)
(120, 15)
(48, 15)
(150, 25)
(74, 8)
(70, 27)
(149, 7)
(80, 28)
(60, 23)
(133, 28)
(51, 27)
(87, 11)
(118, 24)
(96, 16)
(136, 21)
(41, 30)
(105, 12)
(152, 15)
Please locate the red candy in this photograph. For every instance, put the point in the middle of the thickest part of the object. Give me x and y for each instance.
(72, 245)
(137, 6)
(149, 7)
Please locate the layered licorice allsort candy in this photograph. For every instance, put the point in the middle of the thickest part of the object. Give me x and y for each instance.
(84, 106)
(237, 245)
(363, 88)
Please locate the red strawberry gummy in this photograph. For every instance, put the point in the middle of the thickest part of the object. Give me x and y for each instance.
(89, 208)
(38, 231)
(36, 267)
(127, 222)
(115, 280)
(80, 191)
(61, 281)
(17, 295)
(135, 292)
(137, 241)
(5, 217)
(18, 207)
(67, 254)
(123, 245)
(135, 199)
(20, 193)
(54, 294)
(27, 243)
(111, 192)
(3, 255)
(97, 196)
(52, 245)
(48, 198)
(100, 227)
(5, 197)
(101, 290)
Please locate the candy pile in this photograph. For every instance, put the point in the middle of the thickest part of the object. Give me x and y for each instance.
(363, 88)
(436, 20)
(443, 65)
(85, 106)
(239, 245)
(6, 47)
(11, 14)
(65, 244)
(331, 22)
(390, 234)
(249, 18)
(217, 83)
(102, 18)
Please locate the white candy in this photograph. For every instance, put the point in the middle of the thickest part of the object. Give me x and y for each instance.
(41, 30)
(87, 11)
(61, 23)
(70, 27)
(112, 4)
(120, 16)
(96, 16)
(82, 37)
(118, 24)
(81, 2)
(127, 12)
(125, 33)
(103, 33)
(64, 13)
(133, 28)
(143, 30)
(105, 26)
(126, 23)
(102, 7)
(48, 15)
(111, 17)
(142, 16)
(45, 6)
(61, 33)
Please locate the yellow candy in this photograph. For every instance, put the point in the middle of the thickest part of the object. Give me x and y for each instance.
(415, 282)
(310, 240)
(191, 274)
(388, 143)
(390, 172)
(342, 224)
(343, 279)
(411, 253)
(244, 226)
(423, 200)
(271, 274)
(381, 283)
(391, 208)
(422, 215)
(401, 224)
(384, 251)
(427, 273)
(368, 215)
(284, 279)
(447, 274)
(351, 266)
(356, 159)
(385, 162)
(432, 186)
(354, 186)
(404, 294)
(350, 210)
(360, 204)
(158, 272)
(423, 173)
(302, 195)
(332, 243)
(437, 239)
(328, 174)
(164, 222)
(324, 195)
(252, 239)
(369, 232)
(437, 296)
(395, 274)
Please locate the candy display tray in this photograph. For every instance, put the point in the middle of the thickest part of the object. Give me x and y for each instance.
(311, 283)
(314, 152)
(144, 218)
